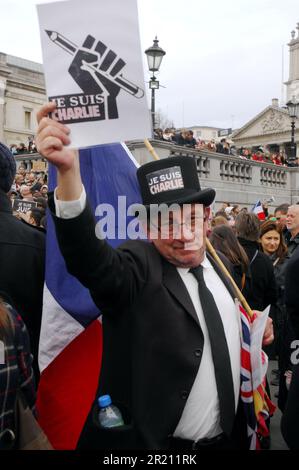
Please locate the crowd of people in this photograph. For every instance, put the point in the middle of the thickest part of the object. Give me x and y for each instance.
(186, 138)
(30, 186)
(163, 290)
(23, 148)
(268, 246)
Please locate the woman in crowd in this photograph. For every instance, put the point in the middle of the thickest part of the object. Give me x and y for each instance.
(15, 371)
(262, 291)
(273, 245)
(224, 240)
(219, 220)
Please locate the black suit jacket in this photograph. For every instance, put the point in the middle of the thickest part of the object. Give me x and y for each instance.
(153, 341)
(22, 270)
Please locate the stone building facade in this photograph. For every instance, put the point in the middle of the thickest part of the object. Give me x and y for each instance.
(272, 127)
(22, 92)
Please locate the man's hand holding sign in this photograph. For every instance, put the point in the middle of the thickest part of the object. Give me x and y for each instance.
(52, 141)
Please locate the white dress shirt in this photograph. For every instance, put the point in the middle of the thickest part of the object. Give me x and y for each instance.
(70, 209)
(201, 418)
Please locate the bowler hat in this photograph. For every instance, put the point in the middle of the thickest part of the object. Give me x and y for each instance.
(172, 180)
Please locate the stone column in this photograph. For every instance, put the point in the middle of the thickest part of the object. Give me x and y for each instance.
(293, 82)
(2, 104)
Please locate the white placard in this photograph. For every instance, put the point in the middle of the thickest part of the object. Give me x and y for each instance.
(93, 69)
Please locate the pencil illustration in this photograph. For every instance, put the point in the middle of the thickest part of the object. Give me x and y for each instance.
(114, 76)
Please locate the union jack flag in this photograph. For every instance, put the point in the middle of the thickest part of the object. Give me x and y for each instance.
(257, 404)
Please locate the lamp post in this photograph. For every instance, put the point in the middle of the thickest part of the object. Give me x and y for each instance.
(154, 56)
(293, 109)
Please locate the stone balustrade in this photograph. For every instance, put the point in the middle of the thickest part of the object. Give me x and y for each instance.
(234, 179)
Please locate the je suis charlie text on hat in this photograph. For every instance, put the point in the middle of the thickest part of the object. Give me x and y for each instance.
(172, 180)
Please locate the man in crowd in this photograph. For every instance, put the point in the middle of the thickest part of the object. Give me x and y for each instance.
(26, 193)
(280, 214)
(171, 357)
(22, 258)
(222, 147)
(292, 224)
(190, 141)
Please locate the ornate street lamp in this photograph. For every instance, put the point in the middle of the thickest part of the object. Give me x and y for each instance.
(293, 109)
(154, 56)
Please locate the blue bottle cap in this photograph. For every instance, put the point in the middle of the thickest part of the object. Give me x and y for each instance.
(104, 400)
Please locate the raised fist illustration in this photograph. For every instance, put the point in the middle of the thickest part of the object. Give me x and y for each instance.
(94, 69)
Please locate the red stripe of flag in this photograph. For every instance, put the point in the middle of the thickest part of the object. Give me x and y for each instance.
(68, 386)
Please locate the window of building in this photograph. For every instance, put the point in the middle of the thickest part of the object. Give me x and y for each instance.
(4, 114)
(214, 134)
(27, 119)
(198, 133)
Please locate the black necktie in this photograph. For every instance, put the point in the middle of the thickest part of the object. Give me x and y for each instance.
(220, 353)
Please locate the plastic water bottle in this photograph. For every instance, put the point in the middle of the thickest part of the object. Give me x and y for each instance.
(109, 415)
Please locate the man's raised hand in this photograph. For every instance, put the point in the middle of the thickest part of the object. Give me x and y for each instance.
(51, 139)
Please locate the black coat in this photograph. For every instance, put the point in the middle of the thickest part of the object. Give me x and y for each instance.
(153, 341)
(290, 418)
(22, 267)
(261, 292)
(292, 244)
(292, 291)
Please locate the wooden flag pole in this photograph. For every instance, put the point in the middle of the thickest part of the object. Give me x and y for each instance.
(227, 273)
(151, 149)
(211, 249)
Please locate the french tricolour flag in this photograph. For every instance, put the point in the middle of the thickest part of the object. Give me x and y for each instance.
(71, 334)
(258, 210)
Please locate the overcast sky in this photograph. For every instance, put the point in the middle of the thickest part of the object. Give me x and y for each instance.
(223, 62)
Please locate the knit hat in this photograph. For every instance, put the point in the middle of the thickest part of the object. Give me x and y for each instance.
(7, 168)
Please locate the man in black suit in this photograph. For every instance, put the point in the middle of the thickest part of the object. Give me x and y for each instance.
(161, 364)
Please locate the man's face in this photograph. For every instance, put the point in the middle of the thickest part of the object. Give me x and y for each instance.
(25, 191)
(293, 220)
(281, 219)
(19, 179)
(184, 246)
(31, 177)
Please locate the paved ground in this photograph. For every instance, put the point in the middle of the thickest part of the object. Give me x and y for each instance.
(277, 441)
